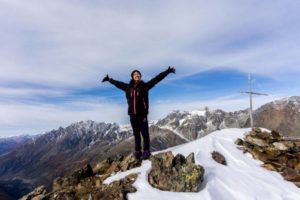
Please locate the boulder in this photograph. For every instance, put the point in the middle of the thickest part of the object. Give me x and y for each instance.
(256, 141)
(120, 163)
(102, 167)
(83, 173)
(177, 173)
(239, 141)
(291, 175)
(218, 157)
(280, 146)
(276, 134)
(130, 162)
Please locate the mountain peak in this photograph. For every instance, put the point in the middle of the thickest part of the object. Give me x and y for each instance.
(281, 115)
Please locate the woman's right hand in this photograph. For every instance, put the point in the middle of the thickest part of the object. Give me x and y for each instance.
(106, 78)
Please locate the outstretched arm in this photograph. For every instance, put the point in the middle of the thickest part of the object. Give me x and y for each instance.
(160, 77)
(116, 83)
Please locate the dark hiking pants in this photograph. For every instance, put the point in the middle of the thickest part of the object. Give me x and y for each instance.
(139, 126)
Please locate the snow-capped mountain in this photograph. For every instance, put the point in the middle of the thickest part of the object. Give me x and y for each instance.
(196, 124)
(58, 152)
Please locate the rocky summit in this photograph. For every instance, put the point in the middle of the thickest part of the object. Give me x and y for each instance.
(87, 182)
(276, 152)
(168, 173)
(177, 174)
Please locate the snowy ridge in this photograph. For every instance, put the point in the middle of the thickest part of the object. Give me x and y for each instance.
(242, 179)
(196, 124)
(293, 102)
(288, 100)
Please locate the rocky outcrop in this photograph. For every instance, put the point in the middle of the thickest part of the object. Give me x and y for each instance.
(87, 183)
(196, 124)
(177, 173)
(37, 193)
(170, 173)
(278, 153)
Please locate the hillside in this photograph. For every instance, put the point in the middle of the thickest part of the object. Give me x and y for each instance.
(242, 177)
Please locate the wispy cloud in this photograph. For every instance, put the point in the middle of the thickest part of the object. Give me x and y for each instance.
(72, 45)
(33, 118)
(54, 51)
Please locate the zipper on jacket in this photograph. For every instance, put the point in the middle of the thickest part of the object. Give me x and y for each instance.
(134, 102)
(144, 104)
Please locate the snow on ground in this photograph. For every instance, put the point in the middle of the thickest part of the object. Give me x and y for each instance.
(242, 179)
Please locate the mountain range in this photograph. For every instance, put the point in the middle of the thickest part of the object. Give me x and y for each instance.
(10, 143)
(59, 152)
(219, 166)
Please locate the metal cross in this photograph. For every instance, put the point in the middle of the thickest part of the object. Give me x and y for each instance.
(250, 98)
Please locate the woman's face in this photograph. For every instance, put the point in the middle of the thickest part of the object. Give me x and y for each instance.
(136, 76)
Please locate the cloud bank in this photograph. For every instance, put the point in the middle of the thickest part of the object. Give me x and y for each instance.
(52, 50)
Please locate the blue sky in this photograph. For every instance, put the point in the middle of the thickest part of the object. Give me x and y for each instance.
(53, 55)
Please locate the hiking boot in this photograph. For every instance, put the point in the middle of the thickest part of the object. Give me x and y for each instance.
(146, 154)
(137, 154)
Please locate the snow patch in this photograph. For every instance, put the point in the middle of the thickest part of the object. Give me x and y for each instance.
(198, 112)
(243, 177)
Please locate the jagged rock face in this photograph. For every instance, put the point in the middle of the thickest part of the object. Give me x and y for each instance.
(196, 124)
(282, 116)
(278, 154)
(177, 173)
(187, 124)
